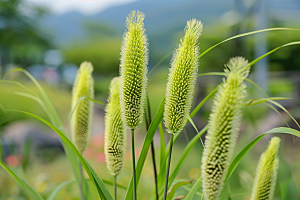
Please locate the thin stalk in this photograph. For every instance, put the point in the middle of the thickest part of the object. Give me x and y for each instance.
(81, 182)
(133, 164)
(148, 122)
(168, 169)
(115, 185)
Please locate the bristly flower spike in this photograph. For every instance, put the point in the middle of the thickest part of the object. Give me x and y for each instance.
(133, 77)
(182, 79)
(82, 117)
(266, 172)
(114, 143)
(181, 85)
(133, 70)
(224, 124)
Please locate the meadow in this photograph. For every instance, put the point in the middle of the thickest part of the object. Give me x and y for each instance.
(193, 134)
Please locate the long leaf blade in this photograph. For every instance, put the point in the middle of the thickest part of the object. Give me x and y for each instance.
(175, 187)
(52, 114)
(102, 190)
(33, 193)
(246, 149)
(194, 190)
(58, 188)
(242, 35)
(268, 53)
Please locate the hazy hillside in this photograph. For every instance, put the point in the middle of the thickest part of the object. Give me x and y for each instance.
(161, 16)
(164, 18)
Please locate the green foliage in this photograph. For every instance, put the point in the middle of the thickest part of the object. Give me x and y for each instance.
(22, 41)
(103, 52)
(81, 122)
(114, 130)
(133, 70)
(182, 79)
(224, 123)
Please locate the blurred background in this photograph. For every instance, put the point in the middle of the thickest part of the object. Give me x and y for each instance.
(50, 38)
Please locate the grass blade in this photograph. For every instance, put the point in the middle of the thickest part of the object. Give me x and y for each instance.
(253, 83)
(228, 39)
(26, 153)
(45, 98)
(38, 100)
(159, 62)
(246, 149)
(245, 34)
(58, 188)
(283, 108)
(52, 114)
(20, 85)
(194, 190)
(147, 142)
(268, 53)
(102, 190)
(212, 74)
(223, 74)
(112, 184)
(175, 187)
(284, 189)
(162, 166)
(194, 112)
(162, 145)
(33, 193)
(257, 101)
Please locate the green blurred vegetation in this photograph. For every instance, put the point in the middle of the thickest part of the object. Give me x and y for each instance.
(101, 47)
(22, 42)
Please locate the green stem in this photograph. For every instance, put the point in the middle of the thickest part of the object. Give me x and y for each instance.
(168, 169)
(115, 184)
(133, 164)
(148, 122)
(81, 181)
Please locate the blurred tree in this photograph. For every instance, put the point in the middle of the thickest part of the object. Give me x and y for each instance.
(21, 40)
(101, 47)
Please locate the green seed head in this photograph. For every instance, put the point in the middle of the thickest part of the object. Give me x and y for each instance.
(266, 173)
(182, 79)
(114, 143)
(133, 70)
(224, 123)
(83, 86)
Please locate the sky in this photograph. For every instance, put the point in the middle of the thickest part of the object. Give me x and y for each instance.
(87, 7)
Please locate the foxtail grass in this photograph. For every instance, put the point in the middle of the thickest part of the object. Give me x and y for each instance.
(181, 84)
(266, 172)
(82, 117)
(133, 71)
(224, 124)
(114, 142)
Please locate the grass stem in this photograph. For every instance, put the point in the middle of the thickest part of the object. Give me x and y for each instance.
(168, 169)
(115, 185)
(148, 120)
(81, 182)
(133, 164)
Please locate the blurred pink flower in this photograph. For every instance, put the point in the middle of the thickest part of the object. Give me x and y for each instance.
(13, 160)
(100, 157)
(97, 140)
(89, 153)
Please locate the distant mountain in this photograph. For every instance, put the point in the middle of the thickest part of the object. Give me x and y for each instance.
(161, 17)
